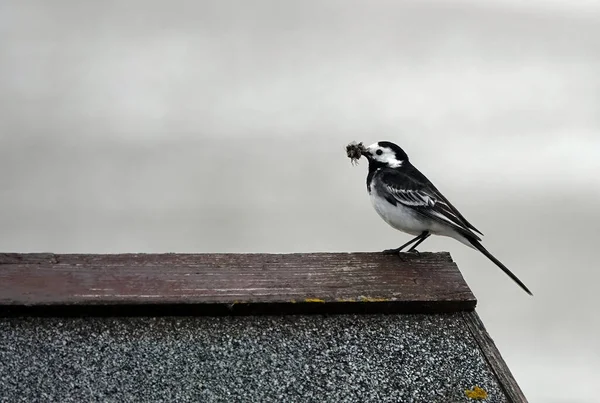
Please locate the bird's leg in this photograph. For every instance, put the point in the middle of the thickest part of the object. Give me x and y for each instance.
(399, 249)
(423, 236)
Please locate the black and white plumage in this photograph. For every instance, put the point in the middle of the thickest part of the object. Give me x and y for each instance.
(409, 202)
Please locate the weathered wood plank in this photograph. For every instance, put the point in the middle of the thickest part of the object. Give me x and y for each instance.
(494, 358)
(230, 283)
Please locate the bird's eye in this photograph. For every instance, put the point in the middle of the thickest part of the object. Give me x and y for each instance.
(378, 152)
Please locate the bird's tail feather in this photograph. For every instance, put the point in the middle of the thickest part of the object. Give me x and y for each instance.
(498, 263)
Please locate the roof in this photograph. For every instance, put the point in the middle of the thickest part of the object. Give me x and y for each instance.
(300, 327)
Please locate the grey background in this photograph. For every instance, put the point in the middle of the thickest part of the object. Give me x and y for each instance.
(220, 126)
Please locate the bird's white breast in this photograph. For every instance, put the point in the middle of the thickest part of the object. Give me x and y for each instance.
(399, 217)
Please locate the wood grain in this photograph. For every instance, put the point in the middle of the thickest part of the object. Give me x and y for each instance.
(170, 284)
(494, 358)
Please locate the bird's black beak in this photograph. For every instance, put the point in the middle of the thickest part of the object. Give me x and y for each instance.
(365, 153)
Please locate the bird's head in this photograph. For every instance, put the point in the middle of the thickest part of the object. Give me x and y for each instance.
(385, 154)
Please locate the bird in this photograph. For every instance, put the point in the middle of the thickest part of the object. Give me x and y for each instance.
(406, 200)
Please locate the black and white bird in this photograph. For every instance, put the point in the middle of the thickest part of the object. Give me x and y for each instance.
(409, 202)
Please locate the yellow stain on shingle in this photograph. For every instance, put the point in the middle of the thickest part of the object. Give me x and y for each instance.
(314, 300)
(371, 299)
(476, 393)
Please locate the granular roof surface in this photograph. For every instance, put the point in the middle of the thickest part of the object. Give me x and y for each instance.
(293, 358)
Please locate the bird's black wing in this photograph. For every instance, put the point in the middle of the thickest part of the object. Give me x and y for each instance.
(402, 186)
(417, 175)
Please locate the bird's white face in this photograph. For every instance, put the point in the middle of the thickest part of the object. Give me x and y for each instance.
(383, 155)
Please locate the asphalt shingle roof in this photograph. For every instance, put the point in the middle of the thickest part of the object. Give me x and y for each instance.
(294, 358)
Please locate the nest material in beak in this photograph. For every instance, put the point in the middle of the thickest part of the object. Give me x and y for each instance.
(355, 151)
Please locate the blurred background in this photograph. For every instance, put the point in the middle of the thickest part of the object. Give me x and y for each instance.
(220, 126)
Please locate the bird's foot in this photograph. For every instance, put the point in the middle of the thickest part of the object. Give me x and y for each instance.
(414, 252)
(391, 251)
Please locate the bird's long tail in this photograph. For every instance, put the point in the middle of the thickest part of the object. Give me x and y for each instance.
(498, 263)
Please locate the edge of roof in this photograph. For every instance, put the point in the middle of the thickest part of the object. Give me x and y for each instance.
(493, 357)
